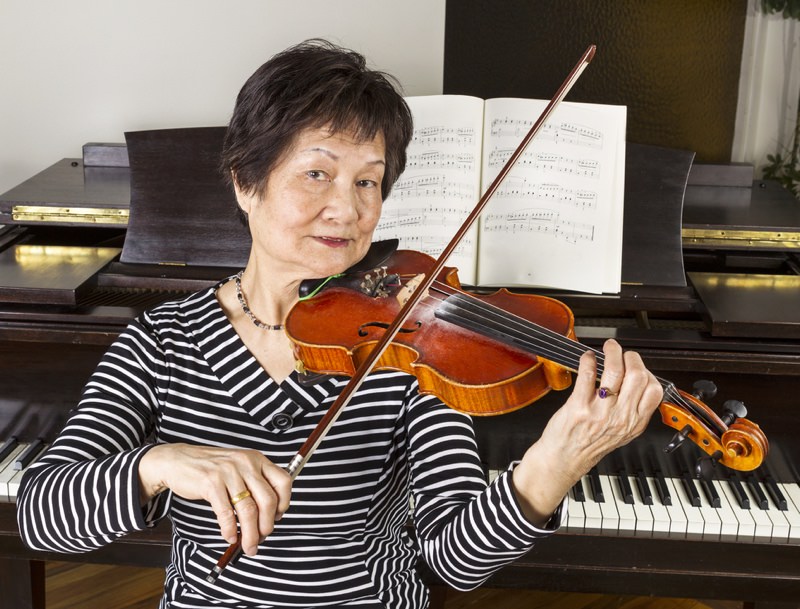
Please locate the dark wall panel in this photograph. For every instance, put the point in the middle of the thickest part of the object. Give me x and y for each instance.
(674, 63)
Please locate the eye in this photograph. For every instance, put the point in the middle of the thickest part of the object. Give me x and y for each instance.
(367, 184)
(316, 174)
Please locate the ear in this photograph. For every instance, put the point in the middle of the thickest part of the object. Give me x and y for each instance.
(244, 200)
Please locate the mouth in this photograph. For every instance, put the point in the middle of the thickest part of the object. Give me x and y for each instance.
(333, 241)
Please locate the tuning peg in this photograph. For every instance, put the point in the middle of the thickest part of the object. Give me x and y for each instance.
(704, 390)
(678, 439)
(732, 410)
(706, 465)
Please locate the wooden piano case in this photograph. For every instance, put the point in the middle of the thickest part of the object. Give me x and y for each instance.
(48, 351)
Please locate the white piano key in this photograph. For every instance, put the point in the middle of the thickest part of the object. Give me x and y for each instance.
(729, 529)
(705, 514)
(13, 486)
(661, 518)
(747, 526)
(625, 516)
(760, 517)
(780, 524)
(575, 515)
(593, 513)
(792, 493)
(641, 511)
(7, 470)
(694, 517)
(678, 522)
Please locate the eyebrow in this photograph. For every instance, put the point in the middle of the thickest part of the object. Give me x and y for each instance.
(335, 157)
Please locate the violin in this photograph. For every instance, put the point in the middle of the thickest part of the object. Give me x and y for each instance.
(485, 354)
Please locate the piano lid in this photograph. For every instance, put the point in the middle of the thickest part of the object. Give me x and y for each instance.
(737, 214)
(70, 193)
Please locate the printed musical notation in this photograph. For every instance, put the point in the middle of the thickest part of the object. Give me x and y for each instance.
(561, 133)
(547, 193)
(548, 162)
(417, 217)
(434, 159)
(436, 187)
(543, 221)
(561, 200)
(438, 135)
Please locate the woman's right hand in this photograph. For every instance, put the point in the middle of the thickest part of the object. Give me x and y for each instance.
(216, 475)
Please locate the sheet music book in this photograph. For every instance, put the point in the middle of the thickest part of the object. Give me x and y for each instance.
(556, 220)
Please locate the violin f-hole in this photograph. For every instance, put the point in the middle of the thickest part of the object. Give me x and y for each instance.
(362, 330)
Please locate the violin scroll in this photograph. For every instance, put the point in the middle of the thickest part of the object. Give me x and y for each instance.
(731, 440)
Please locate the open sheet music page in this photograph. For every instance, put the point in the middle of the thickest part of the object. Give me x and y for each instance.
(556, 220)
(441, 182)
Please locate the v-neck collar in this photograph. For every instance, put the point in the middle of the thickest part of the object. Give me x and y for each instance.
(243, 376)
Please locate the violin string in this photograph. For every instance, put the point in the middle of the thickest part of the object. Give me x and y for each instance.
(539, 339)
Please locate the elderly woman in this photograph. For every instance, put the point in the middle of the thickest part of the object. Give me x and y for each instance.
(197, 406)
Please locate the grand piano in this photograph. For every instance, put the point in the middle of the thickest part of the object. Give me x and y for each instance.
(710, 298)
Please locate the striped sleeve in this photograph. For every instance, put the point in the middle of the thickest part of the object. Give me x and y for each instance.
(466, 530)
(84, 491)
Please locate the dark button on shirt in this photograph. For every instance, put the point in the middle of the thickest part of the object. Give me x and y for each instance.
(282, 421)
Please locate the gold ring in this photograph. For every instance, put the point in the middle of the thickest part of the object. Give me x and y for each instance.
(604, 392)
(239, 496)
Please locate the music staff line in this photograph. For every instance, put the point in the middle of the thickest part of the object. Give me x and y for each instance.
(548, 162)
(562, 133)
(543, 221)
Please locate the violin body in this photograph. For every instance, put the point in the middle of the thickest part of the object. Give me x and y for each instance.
(334, 331)
(480, 354)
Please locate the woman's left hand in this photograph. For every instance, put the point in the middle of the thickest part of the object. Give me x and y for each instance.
(591, 424)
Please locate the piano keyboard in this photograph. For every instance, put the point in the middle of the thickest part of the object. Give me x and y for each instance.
(763, 511)
(14, 458)
(684, 508)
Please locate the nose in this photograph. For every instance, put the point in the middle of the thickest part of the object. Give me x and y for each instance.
(342, 205)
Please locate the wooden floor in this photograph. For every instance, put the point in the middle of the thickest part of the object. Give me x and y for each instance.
(74, 586)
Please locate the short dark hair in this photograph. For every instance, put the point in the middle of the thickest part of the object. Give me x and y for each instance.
(311, 85)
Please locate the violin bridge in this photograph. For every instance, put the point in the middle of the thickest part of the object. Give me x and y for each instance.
(405, 292)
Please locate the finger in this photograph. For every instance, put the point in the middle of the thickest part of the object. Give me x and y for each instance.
(247, 512)
(280, 480)
(226, 515)
(613, 369)
(586, 377)
(270, 492)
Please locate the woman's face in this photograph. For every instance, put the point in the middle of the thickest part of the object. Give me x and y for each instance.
(320, 207)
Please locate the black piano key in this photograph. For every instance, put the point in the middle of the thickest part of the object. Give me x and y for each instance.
(29, 454)
(644, 488)
(625, 487)
(710, 491)
(755, 487)
(691, 489)
(775, 493)
(662, 489)
(738, 492)
(577, 492)
(8, 446)
(597, 489)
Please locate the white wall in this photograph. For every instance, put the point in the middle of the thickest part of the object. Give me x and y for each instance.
(89, 70)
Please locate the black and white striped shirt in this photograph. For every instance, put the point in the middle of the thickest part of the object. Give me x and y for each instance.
(180, 373)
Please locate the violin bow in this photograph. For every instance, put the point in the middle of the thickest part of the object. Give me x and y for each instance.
(323, 427)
